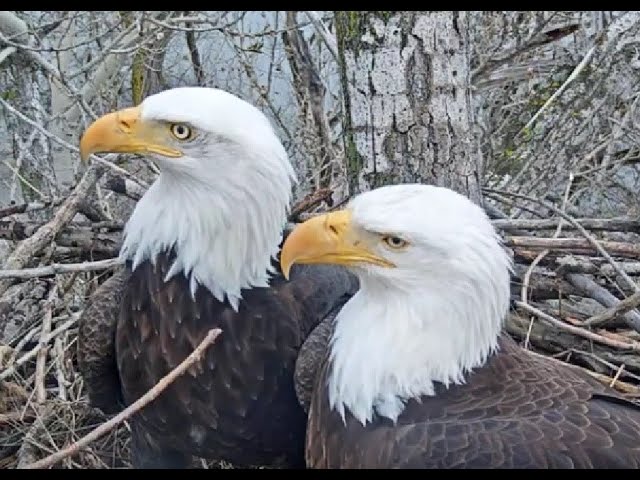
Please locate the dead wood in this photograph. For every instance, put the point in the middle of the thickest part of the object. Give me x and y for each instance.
(145, 399)
(578, 308)
(45, 234)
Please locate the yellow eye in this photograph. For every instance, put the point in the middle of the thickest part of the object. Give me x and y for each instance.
(395, 242)
(180, 131)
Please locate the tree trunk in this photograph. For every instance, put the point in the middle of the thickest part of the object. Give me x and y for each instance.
(408, 114)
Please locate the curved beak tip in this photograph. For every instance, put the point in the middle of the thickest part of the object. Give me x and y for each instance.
(285, 266)
(84, 153)
(285, 272)
(90, 140)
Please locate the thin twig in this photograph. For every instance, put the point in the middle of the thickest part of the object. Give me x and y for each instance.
(45, 234)
(591, 289)
(41, 357)
(28, 207)
(538, 259)
(58, 350)
(619, 224)
(604, 379)
(26, 339)
(327, 37)
(105, 161)
(623, 306)
(32, 353)
(619, 385)
(133, 408)
(633, 346)
(57, 268)
(606, 363)
(576, 71)
(617, 375)
(537, 39)
(626, 249)
(17, 174)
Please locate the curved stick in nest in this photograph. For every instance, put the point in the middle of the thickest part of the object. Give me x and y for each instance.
(133, 408)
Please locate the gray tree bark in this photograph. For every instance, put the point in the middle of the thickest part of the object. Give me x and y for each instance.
(406, 87)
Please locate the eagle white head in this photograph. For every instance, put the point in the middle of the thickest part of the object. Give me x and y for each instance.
(434, 292)
(222, 197)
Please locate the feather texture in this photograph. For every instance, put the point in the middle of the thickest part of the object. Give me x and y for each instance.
(239, 404)
(96, 341)
(517, 411)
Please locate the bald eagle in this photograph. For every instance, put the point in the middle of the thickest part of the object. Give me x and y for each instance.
(417, 372)
(200, 250)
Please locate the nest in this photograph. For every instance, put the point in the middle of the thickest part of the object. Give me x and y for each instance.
(32, 427)
(574, 299)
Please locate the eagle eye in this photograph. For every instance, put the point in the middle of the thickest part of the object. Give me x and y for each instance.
(181, 131)
(395, 242)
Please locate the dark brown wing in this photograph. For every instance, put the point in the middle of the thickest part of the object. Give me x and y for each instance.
(96, 343)
(519, 411)
(310, 358)
(239, 404)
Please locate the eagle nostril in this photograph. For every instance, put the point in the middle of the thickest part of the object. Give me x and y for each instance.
(126, 124)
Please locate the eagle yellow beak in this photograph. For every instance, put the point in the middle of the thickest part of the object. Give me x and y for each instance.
(125, 132)
(329, 239)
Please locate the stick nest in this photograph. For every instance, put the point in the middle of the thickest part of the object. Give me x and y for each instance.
(574, 299)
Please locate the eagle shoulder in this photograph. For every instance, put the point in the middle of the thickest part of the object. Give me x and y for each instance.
(96, 343)
(310, 358)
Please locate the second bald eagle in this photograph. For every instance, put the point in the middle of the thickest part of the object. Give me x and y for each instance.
(417, 373)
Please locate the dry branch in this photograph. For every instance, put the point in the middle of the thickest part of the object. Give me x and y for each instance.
(328, 38)
(310, 95)
(311, 201)
(574, 74)
(125, 187)
(593, 265)
(634, 346)
(621, 224)
(28, 356)
(148, 397)
(602, 296)
(622, 307)
(579, 227)
(41, 357)
(546, 337)
(45, 234)
(623, 249)
(28, 207)
(57, 268)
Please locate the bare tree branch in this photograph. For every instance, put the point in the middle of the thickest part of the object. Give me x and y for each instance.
(57, 268)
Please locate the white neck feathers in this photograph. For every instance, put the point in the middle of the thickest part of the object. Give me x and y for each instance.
(392, 342)
(225, 224)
